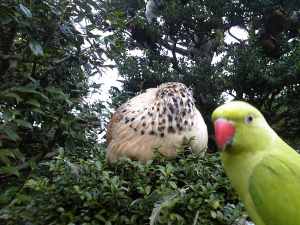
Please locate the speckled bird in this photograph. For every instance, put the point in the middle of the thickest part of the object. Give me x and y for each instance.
(159, 118)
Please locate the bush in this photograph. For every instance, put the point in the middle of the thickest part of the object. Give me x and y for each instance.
(182, 191)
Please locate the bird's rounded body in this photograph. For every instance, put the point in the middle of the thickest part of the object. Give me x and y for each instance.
(159, 118)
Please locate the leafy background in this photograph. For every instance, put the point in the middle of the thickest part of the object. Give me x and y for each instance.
(52, 166)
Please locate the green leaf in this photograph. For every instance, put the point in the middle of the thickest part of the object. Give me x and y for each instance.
(7, 152)
(94, 4)
(101, 218)
(18, 154)
(70, 143)
(14, 95)
(99, 165)
(80, 137)
(88, 203)
(7, 114)
(213, 214)
(11, 133)
(5, 159)
(121, 23)
(33, 102)
(23, 123)
(88, 195)
(38, 111)
(44, 96)
(36, 47)
(10, 169)
(33, 80)
(54, 90)
(9, 12)
(174, 201)
(25, 89)
(61, 97)
(60, 209)
(32, 165)
(110, 40)
(21, 197)
(69, 103)
(61, 151)
(84, 6)
(25, 11)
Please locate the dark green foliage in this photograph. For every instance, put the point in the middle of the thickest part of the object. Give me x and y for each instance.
(244, 70)
(44, 79)
(52, 169)
(125, 192)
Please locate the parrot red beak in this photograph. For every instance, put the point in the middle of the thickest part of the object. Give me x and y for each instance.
(224, 133)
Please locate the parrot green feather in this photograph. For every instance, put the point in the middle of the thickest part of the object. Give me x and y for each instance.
(263, 169)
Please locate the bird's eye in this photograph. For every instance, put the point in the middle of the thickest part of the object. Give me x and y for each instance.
(249, 118)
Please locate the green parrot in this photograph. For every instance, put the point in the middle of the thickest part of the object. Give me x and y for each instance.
(262, 168)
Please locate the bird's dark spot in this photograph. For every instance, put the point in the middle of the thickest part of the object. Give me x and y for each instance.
(130, 125)
(159, 115)
(142, 132)
(192, 123)
(152, 132)
(176, 118)
(133, 112)
(162, 127)
(127, 120)
(144, 124)
(182, 95)
(151, 114)
(170, 94)
(174, 99)
(171, 129)
(162, 134)
(185, 122)
(153, 108)
(159, 123)
(170, 118)
(135, 129)
(132, 119)
(181, 102)
(152, 123)
(180, 128)
(143, 117)
(189, 111)
(163, 121)
(158, 104)
(124, 110)
(171, 109)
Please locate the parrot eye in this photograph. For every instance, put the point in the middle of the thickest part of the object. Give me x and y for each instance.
(249, 118)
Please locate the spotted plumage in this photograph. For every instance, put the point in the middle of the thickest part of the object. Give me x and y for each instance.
(159, 118)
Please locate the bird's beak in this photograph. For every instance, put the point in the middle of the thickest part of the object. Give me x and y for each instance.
(224, 133)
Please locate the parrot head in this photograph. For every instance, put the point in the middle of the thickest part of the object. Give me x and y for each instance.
(240, 127)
